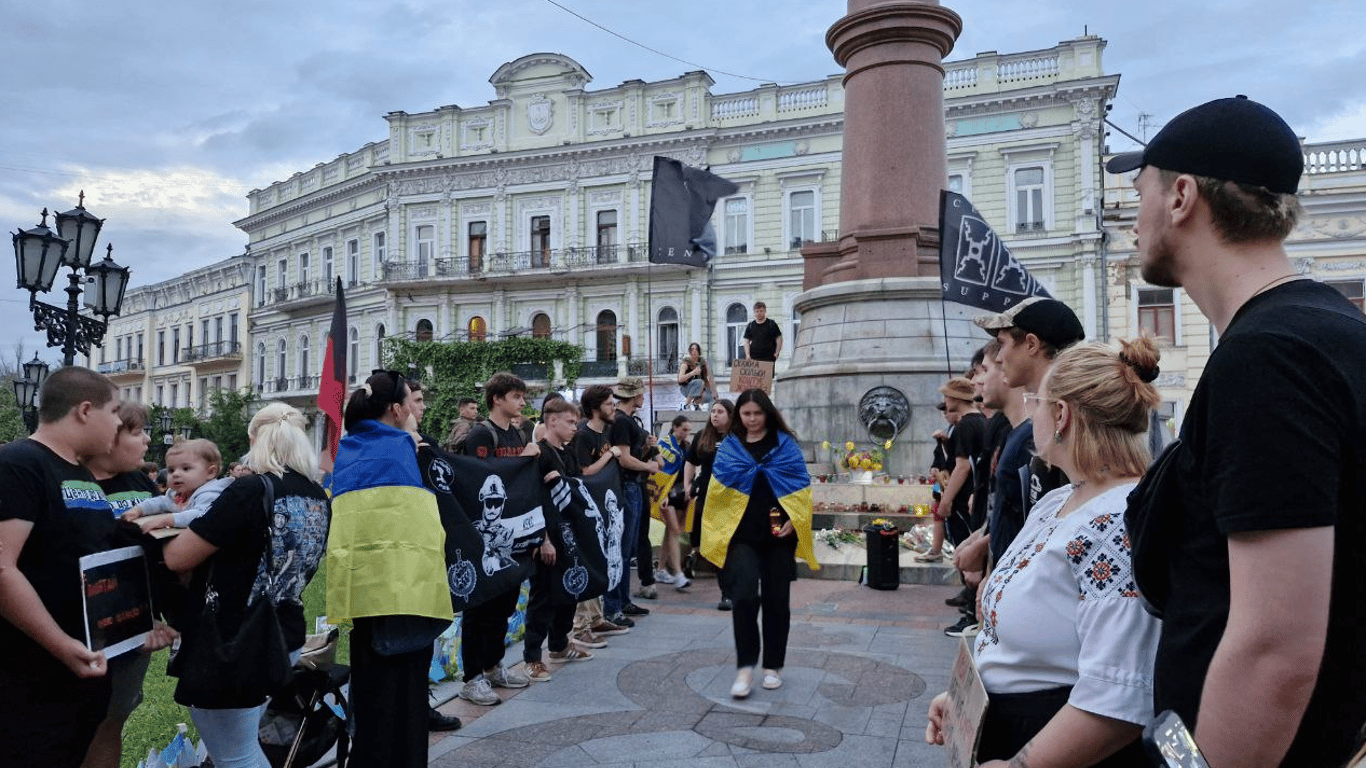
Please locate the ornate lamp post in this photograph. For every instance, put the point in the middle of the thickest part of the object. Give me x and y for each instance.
(26, 391)
(39, 253)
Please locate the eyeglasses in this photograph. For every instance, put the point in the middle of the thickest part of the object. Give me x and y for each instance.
(1032, 400)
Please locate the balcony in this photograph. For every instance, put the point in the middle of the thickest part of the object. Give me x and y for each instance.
(123, 369)
(216, 352)
(297, 386)
(306, 294)
(547, 262)
(598, 369)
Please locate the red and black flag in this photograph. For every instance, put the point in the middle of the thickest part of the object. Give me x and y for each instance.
(975, 267)
(332, 389)
(681, 201)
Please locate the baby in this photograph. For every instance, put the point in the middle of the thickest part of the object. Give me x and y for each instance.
(191, 467)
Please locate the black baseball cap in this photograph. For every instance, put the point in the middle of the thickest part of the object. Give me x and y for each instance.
(1051, 320)
(1233, 139)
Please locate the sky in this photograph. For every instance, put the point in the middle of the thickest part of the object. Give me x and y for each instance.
(167, 112)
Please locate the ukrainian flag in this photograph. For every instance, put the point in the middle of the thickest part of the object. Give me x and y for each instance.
(732, 480)
(671, 456)
(386, 548)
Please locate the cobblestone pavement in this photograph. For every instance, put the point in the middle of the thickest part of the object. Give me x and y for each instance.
(861, 668)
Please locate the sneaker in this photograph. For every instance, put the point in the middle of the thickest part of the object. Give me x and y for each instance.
(664, 577)
(648, 592)
(607, 628)
(929, 557)
(621, 621)
(587, 639)
(744, 678)
(537, 671)
(962, 599)
(962, 628)
(724, 605)
(503, 677)
(437, 721)
(682, 582)
(570, 654)
(632, 609)
(690, 565)
(772, 680)
(478, 691)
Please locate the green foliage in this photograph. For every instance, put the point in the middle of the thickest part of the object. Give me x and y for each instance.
(452, 370)
(226, 425)
(11, 421)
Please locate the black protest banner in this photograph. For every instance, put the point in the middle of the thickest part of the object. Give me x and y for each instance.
(580, 570)
(975, 267)
(117, 595)
(491, 512)
(681, 202)
(604, 488)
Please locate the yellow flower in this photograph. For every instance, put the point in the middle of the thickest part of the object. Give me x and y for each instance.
(887, 445)
(849, 446)
(877, 466)
(825, 445)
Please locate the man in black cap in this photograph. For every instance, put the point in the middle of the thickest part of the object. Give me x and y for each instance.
(1265, 606)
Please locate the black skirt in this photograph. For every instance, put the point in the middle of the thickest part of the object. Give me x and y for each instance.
(1015, 718)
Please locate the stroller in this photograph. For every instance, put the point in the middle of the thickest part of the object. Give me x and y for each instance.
(306, 717)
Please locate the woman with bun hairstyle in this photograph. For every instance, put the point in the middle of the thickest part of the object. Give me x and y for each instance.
(1066, 649)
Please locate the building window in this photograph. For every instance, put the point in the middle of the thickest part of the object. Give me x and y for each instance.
(303, 269)
(175, 345)
(217, 331)
(260, 364)
(475, 245)
(1029, 198)
(327, 267)
(801, 218)
(607, 237)
(352, 262)
(668, 336)
(540, 241)
(379, 345)
(161, 347)
(607, 336)
(1157, 313)
(282, 273)
(139, 358)
(735, 226)
(540, 326)
(425, 239)
(424, 330)
(353, 354)
(232, 327)
(303, 360)
(1351, 289)
(478, 329)
(261, 285)
(280, 354)
(161, 393)
(175, 396)
(737, 317)
(956, 183)
(378, 253)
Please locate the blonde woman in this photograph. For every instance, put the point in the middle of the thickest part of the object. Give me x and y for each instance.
(1066, 649)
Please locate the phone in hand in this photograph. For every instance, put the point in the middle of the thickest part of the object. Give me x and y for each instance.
(1170, 744)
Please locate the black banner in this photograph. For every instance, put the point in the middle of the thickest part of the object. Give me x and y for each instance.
(580, 563)
(681, 202)
(975, 267)
(117, 595)
(605, 490)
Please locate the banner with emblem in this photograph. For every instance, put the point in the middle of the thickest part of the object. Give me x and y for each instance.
(975, 267)
(580, 570)
(492, 512)
(605, 490)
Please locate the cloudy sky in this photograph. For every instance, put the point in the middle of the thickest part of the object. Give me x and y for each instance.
(168, 112)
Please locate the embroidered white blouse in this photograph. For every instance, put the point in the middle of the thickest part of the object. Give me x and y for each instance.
(1061, 609)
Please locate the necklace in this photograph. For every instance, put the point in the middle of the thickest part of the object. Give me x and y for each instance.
(1274, 281)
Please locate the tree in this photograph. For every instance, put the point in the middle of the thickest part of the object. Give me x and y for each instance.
(229, 415)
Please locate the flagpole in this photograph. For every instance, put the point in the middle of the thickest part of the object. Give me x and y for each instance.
(650, 341)
(944, 317)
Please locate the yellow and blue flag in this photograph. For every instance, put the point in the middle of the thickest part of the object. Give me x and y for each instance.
(386, 547)
(732, 481)
(671, 456)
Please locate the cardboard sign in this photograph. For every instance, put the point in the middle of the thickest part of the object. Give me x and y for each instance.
(966, 711)
(751, 374)
(117, 595)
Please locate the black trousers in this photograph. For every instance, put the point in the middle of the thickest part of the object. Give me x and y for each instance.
(388, 703)
(544, 619)
(1015, 718)
(758, 580)
(483, 630)
(645, 554)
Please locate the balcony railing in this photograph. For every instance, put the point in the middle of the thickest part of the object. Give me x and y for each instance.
(218, 350)
(531, 371)
(552, 261)
(1335, 157)
(598, 369)
(311, 290)
(288, 385)
(122, 366)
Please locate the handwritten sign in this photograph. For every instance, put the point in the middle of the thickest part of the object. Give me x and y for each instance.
(751, 374)
(966, 710)
(117, 595)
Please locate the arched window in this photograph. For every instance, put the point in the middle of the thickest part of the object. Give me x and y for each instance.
(280, 350)
(540, 326)
(479, 330)
(424, 330)
(304, 362)
(353, 354)
(379, 345)
(260, 365)
(737, 317)
(666, 351)
(607, 336)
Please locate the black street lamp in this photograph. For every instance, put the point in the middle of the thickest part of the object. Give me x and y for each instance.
(26, 391)
(164, 421)
(39, 253)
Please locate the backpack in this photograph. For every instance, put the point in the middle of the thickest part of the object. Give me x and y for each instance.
(459, 445)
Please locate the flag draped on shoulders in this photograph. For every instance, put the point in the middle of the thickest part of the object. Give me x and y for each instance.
(732, 481)
(671, 456)
(386, 547)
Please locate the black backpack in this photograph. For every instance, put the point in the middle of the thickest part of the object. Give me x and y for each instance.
(459, 445)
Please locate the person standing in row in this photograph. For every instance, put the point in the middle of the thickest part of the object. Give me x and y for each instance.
(468, 410)
(633, 445)
(593, 453)
(697, 475)
(673, 451)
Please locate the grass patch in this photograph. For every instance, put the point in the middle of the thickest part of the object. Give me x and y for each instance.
(153, 724)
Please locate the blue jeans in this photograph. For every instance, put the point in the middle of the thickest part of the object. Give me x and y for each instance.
(632, 507)
(231, 736)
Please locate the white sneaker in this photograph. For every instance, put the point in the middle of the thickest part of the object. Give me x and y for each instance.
(508, 678)
(744, 678)
(478, 691)
(681, 582)
(664, 577)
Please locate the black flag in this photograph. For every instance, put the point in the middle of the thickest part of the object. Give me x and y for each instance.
(580, 570)
(605, 489)
(975, 268)
(681, 201)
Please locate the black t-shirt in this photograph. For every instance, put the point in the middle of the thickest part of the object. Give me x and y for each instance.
(1274, 440)
(969, 442)
(763, 339)
(236, 524)
(1008, 499)
(71, 518)
(625, 430)
(552, 459)
(128, 490)
(754, 524)
(487, 440)
(589, 444)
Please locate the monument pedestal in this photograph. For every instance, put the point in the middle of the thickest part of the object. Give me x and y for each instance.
(861, 334)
